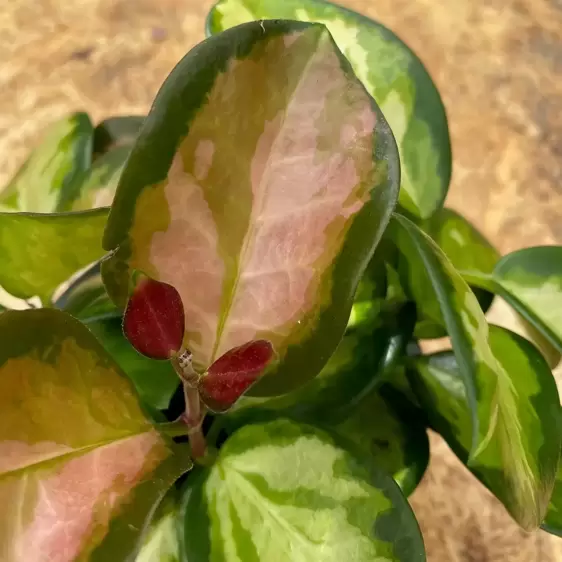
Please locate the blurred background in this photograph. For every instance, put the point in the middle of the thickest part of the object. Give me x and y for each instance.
(498, 66)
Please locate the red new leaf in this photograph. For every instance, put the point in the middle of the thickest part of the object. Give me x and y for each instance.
(154, 319)
(230, 376)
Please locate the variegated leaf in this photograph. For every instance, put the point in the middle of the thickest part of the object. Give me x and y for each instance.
(263, 218)
(391, 433)
(80, 464)
(155, 381)
(161, 542)
(51, 177)
(491, 393)
(530, 280)
(357, 367)
(283, 491)
(116, 132)
(98, 188)
(42, 251)
(553, 520)
(518, 461)
(392, 74)
(84, 296)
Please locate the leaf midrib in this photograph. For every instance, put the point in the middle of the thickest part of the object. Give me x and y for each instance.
(251, 227)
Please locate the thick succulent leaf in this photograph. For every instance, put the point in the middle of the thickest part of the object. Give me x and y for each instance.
(391, 434)
(465, 246)
(491, 395)
(84, 296)
(265, 237)
(285, 491)
(161, 542)
(232, 374)
(553, 520)
(392, 74)
(116, 132)
(78, 457)
(155, 381)
(40, 252)
(355, 369)
(101, 182)
(530, 280)
(154, 319)
(51, 177)
(520, 460)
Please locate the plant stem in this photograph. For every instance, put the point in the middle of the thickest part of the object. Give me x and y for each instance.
(193, 417)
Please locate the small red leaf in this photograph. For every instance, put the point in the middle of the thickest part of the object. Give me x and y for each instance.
(231, 375)
(154, 319)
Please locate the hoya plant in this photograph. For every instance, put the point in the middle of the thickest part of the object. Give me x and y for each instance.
(214, 316)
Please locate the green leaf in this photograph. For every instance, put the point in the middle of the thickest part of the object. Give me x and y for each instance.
(530, 280)
(265, 237)
(463, 244)
(553, 521)
(78, 457)
(99, 186)
(285, 491)
(116, 132)
(161, 540)
(353, 371)
(520, 460)
(51, 177)
(468, 250)
(392, 74)
(39, 252)
(491, 395)
(155, 381)
(84, 296)
(392, 434)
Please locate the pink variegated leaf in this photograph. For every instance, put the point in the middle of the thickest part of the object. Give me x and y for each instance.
(259, 188)
(232, 374)
(154, 319)
(81, 467)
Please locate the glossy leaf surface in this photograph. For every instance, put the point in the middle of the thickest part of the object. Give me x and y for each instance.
(40, 252)
(50, 179)
(491, 394)
(232, 374)
(553, 521)
(78, 457)
(356, 367)
(266, 237)
(520, 461)
(116, 132)
(285, 491)
(465, 246)
(161, 540)
(531, 282)
(101, 182)
(154, 319)
(84, 296)
(391, 435)
(392, 74)
(155, 381)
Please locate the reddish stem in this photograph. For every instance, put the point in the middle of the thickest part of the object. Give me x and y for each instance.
(193, 418)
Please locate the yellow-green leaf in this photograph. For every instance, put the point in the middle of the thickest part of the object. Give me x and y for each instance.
(40, 252)
(518, 460)
(287, 492)
(51, 177)
(80, 464)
